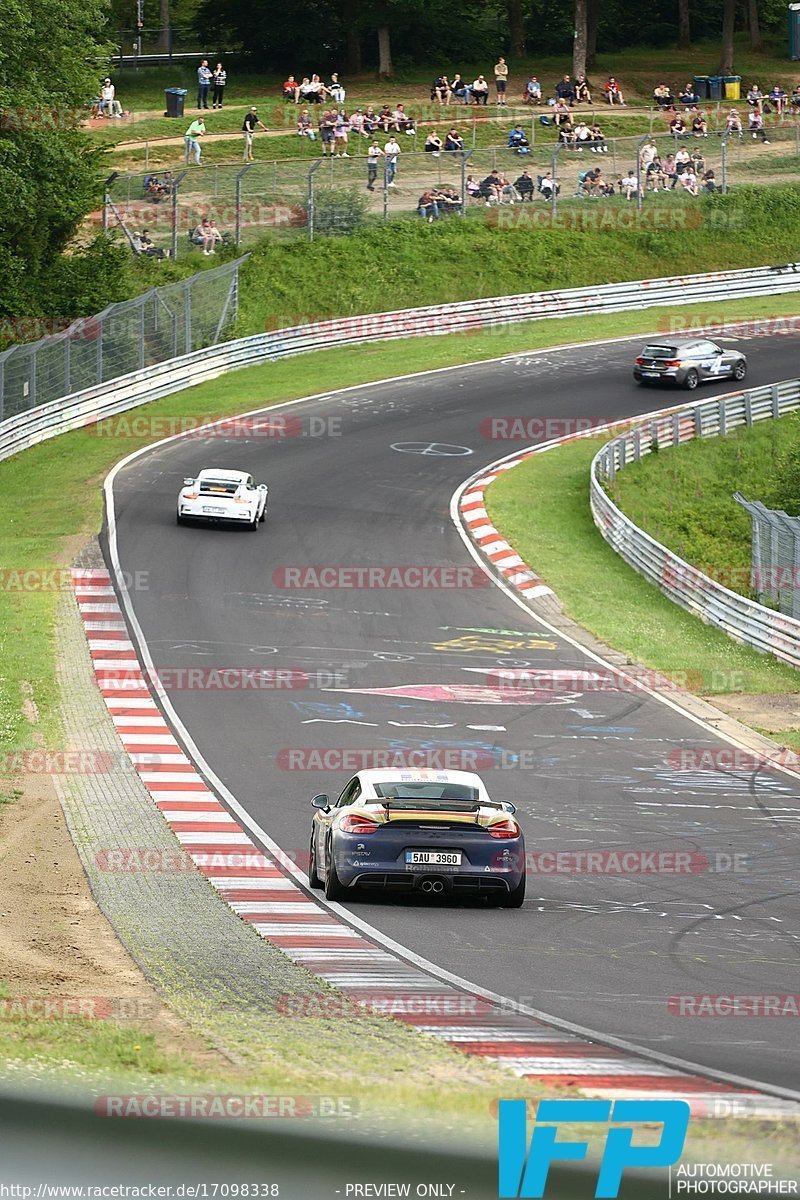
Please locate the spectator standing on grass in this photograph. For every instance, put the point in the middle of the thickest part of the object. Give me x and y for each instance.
(191, 139)
(613, 93)
(480, 90)
(374, 153)
(648, 154)
(501, 81)
(219, 78)
(340, 131)
(248, 129)
(391, 151)
(327, 130)
(204, 77)
(756, 123)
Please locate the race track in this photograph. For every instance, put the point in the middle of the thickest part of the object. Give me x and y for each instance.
(586, 770)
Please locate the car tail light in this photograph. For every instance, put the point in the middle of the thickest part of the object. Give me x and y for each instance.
(640, 362)
(353, 823)
(241, 500)
(672, 362)
(504, 829)
(190, 496)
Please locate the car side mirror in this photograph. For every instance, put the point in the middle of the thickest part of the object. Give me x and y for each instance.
(262, 487)
(718, 351)
(322, 802)
(188, 482)
(509, 807)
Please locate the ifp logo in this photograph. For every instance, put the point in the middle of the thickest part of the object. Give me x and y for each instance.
(523, 1170)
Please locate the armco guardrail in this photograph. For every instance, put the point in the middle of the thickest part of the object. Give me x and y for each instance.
(93, 404)
(748, 622)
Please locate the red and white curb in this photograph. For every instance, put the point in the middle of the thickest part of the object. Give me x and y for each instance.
(491, 543)
(263, 894)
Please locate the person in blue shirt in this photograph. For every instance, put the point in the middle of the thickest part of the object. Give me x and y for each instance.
(517, 141)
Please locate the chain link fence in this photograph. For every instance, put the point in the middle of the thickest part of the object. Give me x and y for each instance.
(129, 336)
(775, 556)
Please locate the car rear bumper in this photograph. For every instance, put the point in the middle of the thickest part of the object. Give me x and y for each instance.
(378, 860)
(676, 376)
(194, 512)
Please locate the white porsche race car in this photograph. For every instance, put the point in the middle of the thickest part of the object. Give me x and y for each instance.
(219, 495)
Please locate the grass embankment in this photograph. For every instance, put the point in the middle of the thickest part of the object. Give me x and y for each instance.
(413, 263)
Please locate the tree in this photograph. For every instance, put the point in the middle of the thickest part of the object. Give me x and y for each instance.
(754, 23)
(728, 23)
(49, 63)
(592, 23)
(164, 35)
(516, 27)
(580, 45)
(385, 68)
(684, 26)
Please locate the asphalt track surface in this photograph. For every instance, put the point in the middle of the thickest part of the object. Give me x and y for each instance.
(604, 951)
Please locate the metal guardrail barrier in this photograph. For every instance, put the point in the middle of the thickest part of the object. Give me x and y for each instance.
(743, 619)
(82, 408)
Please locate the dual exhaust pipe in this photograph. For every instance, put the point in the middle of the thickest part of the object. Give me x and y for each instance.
(432, 885)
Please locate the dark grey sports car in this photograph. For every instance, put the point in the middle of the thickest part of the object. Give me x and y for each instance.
(688, 363)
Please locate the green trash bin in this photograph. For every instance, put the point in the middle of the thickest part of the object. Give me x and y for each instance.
(715, 87)
(700, 85)
(733, 87)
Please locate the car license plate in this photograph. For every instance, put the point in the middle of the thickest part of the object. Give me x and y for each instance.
(651, 374)
(214, 512)
(433, 858)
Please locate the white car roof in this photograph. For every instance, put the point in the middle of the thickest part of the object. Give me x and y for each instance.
(213, 473)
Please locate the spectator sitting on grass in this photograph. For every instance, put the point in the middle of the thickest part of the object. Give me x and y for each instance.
(206, 235)
(433, 144)
(109, 104)
(582, 93)
(688, 96)
(561, 113)
(795, 98)
(733, 122)
(155, 189)
(371, 120)
(508, 193)
(546, 185)
(533, 91)
(699, 125)
(448, 200)
(663, 96)
(473, 188)
(682, 163)
(459, 88)
(648, 154)
(628, 185)
(777, 97)
(652, 174)
(440, 89)
(583, 137)
(599, 145)
(335, 90)
(613, 93)
(598, 184)
(667, 173)
(688, 181)
(755, 97)
(427, 207)
(756, 123)
(709, 181)
(566, 136)
(677, 127)
(524, 185)
(454, 140)
(565, 90)
(480, 90)
(304, 128)
(291, 90)
(698, 163)
(311, 90)
(357, 123)
(403, 123)
(143, 244)
(490, 188)
(517, 141)
(386, 119)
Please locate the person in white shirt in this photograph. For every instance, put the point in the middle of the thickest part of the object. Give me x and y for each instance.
(688, 181)
(391, 150)
(480, 90)
(628, 184)
(335, 90)
(109, 105)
